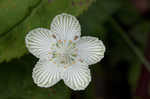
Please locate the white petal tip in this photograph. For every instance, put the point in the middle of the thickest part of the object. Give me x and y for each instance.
(45, 74)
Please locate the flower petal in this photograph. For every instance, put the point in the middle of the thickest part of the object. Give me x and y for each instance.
(46, 73)
(90, 49)
(77, 76)
(66, 27)
(39, 41)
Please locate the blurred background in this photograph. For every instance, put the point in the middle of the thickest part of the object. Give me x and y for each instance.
(123, 25)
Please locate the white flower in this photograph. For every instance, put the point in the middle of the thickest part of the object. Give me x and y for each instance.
(63, 54)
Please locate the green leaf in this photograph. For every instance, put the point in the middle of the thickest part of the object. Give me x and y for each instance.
(16, 82)
(19, 17)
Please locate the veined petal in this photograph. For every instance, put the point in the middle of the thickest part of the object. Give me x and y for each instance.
(46, 73)
(77, 76)
(90, 49)
(66, 27)
(39, 42)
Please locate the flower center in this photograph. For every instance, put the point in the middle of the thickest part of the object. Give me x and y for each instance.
(64, 53)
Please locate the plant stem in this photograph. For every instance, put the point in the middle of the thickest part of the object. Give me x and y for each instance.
(134, 48)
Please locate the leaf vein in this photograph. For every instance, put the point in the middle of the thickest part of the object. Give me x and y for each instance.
(30, 11)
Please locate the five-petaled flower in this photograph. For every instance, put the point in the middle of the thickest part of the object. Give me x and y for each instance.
(63, 54)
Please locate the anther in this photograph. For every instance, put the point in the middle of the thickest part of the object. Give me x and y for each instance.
(80, 60)
(54, 36)
(76, 49)
(66, 66)
(73, 62)
(59, 41)
(70, 41)
(76, 37)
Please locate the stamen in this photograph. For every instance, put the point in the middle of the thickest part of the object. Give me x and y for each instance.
(59, 41)
(81, 60)
(76, 37)
(54, 36)
(66, 66)
(70, 41)
(75, 49)
(73, 62)
(64, 54)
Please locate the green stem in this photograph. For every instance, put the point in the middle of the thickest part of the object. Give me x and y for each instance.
(135, 49)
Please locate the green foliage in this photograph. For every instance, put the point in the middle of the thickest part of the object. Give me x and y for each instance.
(19, 17)
(16, 82)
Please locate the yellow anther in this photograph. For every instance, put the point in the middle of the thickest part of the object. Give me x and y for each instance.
(66, 66)
(59, 41)
(73, 62)
(65, 41)
(70, 41)
(54, 62)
